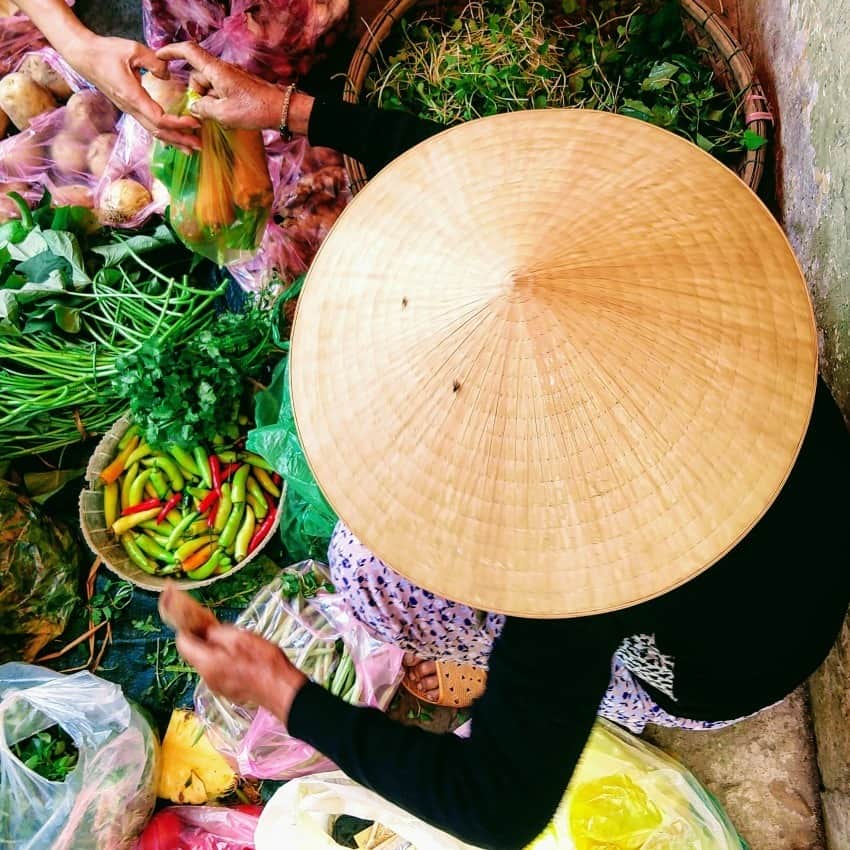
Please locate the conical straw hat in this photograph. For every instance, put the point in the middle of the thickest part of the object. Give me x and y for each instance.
(553, 363)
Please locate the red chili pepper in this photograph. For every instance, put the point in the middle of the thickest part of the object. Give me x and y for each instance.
(208, 501)
(213, 513)
(262, 529)
(169, 506)
(228, 470)
(277, 479)
(147, 505)
(215, 470)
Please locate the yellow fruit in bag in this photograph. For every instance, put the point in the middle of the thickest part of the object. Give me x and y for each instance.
(612, 812)
(192, 771)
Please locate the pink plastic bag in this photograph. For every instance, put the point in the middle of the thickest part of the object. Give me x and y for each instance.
(277, 39)
(310, 632)
(280, 258)
(201, 828)
(18, 34)
(167, 21)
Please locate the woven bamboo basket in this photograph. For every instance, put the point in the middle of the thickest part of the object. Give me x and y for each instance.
(727, 58)
(103, 543)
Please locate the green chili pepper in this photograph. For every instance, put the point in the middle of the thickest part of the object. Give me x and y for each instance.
(150, 547)
(225, 505)
(128, 435)
(228, 535)
(138, 488)
(137, 556)
(227, 456)
(207, 569)
(203, 464)
(258, 505)
(254, 488)
(244, 535)
(184, 459)
(191, 546)
(237, 490)
(170, 468)
(154, 531)
(127, 484)
(159, 483)
(266, 482)
(142, 450)
(256, 460)
(177, 531)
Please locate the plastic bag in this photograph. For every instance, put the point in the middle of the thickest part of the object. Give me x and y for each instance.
(278, 40)
(168, 21)
(105, 801)
(624, 795)
(201, 828)
(18, 34)
(328, 644)
(39, 572)
(221, 196)
(279, 259)
(307, 520)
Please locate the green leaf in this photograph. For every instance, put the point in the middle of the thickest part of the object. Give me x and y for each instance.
(704, 143)
(569, 6)
(636, 109)
(42, 267)
(661, 75)
(114, 252)
(752, 141)
(65, 245)
(67, 318)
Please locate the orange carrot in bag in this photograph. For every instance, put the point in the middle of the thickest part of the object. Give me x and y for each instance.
(252, 187)
(214, 200)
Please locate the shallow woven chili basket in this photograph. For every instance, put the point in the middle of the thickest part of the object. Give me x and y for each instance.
(103, 543)
(727, 58)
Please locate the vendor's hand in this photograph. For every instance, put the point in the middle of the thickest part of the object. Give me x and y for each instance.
(113, 66)
(231, 96)
(243, 667)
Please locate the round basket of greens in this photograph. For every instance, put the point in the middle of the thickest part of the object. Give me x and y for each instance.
(673, 63)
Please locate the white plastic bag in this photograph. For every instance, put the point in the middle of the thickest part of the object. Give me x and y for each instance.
(105, 801)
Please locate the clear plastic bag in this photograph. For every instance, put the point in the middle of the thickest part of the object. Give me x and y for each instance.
(18, 34)
(105, 801)
(201, 828)
(322, 638)
(279, 259)
(168, 21)
(221, 196)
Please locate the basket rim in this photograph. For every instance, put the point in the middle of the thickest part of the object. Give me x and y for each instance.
(757, 113)
(125, 569)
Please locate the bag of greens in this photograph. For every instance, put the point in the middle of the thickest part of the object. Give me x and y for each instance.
(39, 573)
(107, 797)
(308, 520)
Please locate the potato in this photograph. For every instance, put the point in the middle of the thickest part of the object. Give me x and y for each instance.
(99, 152)
(37, 68)
(123, 200)
(22, 99)
(4, 123)
(88, 113)
(23, 157)
(168, 94)
(7, 8)
(68, 154)
(72, 196)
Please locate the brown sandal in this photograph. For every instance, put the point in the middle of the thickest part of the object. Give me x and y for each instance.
(459, 685)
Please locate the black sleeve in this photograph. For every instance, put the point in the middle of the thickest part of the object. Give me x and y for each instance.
(500, 787)
(375, 137)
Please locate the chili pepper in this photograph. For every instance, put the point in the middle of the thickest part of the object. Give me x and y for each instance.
(149, 529)
(185, 460)
(265, 481)
(225, 505)
(208, 501)
(213, 514)
(174, 517)
(228, 470)
(244, 535)
(128, 435)
(139, 486)
(172, 503)
(198, 558)
(255, 460)
(218, 440)
(199, 526)
(152, 548)
(137, 556)
(177, 531)
(227, 456)
(237, 491)
(159, 483)
(110, 502)
(215, 471)
(142, 506)
(127, 483)
(192, 546)
(207, 569)
(125, 523)
(114, 470)
(203, 465)
(169, 467)
(258, 506)
(150, 490)
(262, 530)
(255, 490)
(232, 525)
(198, 492)
(142, 451)
(276, 477)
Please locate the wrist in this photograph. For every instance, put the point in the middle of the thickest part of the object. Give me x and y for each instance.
(300, 109)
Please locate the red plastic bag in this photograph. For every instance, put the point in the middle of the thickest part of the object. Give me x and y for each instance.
(201, 828)
(167, 21)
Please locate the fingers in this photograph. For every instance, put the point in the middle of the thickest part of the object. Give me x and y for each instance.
(196, 651)
(209, 108)
(199, 83)
(189, 52)
(409, 659)
(145, 58)
(428, 685)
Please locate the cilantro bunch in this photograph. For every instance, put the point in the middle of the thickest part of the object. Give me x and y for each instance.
(186, 391)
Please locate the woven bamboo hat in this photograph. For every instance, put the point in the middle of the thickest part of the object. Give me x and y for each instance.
(553, 363)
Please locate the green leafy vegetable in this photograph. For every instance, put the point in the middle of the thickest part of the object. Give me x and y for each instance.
(51, 753)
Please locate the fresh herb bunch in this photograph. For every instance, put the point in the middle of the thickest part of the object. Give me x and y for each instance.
(186, 391)
(51, 753)
(615, 55)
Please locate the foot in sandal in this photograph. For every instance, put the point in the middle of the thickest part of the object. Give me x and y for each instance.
(443, 682)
